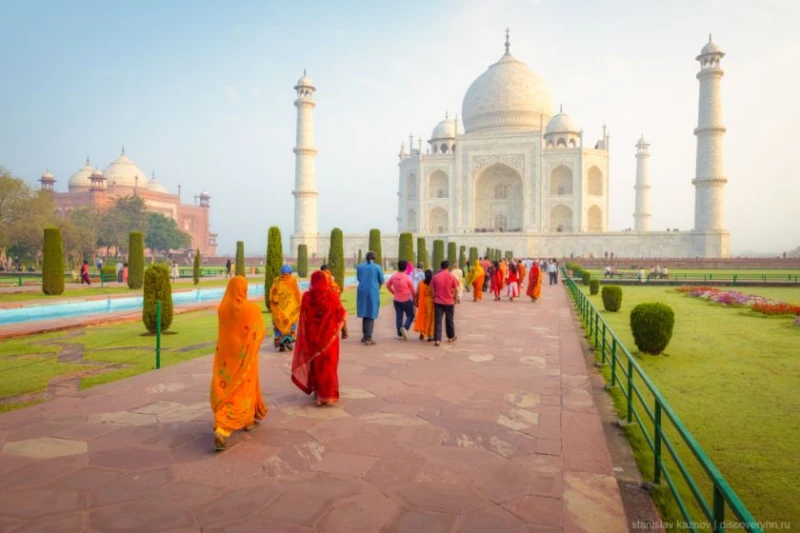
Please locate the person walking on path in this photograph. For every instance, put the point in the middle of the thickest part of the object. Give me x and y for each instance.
(497, 280)
(284, 304)
(513, 282)
(535, 282)
(521, 273)
(119, 271)
(228, 268)
(551, 271)
(235, 389)
(85, 274)
(315, 363)
(487, 270)
(475, 278)
(368, 298)
(175, 273)
(459, 275)
(417, 276)
(424, 302)
(445, 290)
(402, 289)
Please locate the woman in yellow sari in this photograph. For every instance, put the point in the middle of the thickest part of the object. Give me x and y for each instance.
(235, 390)
(284, 304)
(475, 278)
(424, 302)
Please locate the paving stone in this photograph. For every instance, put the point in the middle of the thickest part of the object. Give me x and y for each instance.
(130, 459)
(123, 418)
(413, 521)
(182, 495)
(132, 486)
(28, 503)
(491, 519)
(395, 466)
(538, 510)
(68, 523)
(88, 478)
(45, 448)
(592, 503)
(296, 508)
(259, 525)
(365, 513)
(139, 516)
(501, 482)
(344, 464)
(39, 472)
(294, 459)
(235, 504)
(442, 498)
(317, 413)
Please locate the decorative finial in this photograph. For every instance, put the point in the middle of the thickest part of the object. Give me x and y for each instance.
(508, 43)
(709, 37)
(154, 175)
(560, 107)
(123, 149)
(87, 160)
(445, 114)
(304, 72)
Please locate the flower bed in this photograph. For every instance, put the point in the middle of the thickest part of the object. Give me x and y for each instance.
(757, 303)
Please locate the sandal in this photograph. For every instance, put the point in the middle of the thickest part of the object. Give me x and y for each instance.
(220, 442)
(254, 426)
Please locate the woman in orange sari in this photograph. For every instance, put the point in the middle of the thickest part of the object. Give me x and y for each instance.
(235, 390)
(498, 280)
(476, 276)
(315, 366)
(284, 304)
(424, 302)
(521, 272)
(535, 282)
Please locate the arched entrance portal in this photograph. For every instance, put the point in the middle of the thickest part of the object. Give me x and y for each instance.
(497, 199)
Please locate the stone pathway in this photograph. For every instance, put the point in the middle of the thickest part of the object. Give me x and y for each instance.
(497, 433)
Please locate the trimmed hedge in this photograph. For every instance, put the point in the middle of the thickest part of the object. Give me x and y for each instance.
(135, 260)
(375, 245)
(594, 286)
(422, 252)
(272, 268)
(586, 276)
(452, 254)
(438, 254)
(473, 255)
(196, 267)
(302, 260)
(156, 287)
(612, 297)
(652, 325)
(406, 247)
(336, 257)
(53, 262)
(360, 257)
(239, 268)
(462, 257)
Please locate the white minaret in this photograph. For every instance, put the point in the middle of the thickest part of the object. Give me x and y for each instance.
(709, 201)
(305, 172)
(641, 217)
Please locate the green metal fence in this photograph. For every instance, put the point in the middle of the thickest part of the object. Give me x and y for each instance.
(702, 277)
(661, 420)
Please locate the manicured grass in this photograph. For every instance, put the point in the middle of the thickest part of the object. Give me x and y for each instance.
(731, 376)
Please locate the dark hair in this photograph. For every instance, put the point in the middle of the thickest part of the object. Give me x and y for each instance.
(124, 264)
(445, 264)
(467, 264)
(419, 265)
(371, 257)
(324, 267)
(401, 265)
(512, 267)
(496, 264)
(428, 276)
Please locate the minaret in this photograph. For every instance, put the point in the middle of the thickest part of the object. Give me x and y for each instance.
(641, 217)
(709, 182)
(305, 174)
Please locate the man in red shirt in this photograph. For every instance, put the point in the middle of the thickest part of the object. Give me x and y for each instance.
(445, 288)
(402, 288)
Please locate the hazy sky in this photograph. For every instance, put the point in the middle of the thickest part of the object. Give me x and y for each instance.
(201, 92)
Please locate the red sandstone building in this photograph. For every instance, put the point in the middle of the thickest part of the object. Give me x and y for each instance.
(98, 189)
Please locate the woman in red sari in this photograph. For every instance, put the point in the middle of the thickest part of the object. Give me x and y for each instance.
(535, 282)
(316, 353)
(498, 280)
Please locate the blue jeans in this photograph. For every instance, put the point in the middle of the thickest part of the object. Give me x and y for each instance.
(403, 308)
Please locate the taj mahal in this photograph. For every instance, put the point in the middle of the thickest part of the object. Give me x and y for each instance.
(515, 175)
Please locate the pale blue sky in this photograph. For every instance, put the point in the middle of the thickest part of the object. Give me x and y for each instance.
(201, 92)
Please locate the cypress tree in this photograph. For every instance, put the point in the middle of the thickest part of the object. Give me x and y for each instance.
(239, 270)
(438, 253)
(375, 245)
(488, 254)
(274, 261)
(406, 249)
(135, 260)
(196, 267)
(422, 252)
(336, 257)
(360, 257)
(452, 254)
(156, 287)
(462, 257)
(509, 255)
(302, 260)
(53, 262)
(473, 255)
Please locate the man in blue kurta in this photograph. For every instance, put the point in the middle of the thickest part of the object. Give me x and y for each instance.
(368, 301)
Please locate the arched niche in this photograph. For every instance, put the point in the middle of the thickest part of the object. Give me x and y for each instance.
(497, 196)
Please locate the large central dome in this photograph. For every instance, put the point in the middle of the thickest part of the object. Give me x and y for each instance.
(507, 97)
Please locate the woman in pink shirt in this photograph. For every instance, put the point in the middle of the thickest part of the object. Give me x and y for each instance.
(402, 288)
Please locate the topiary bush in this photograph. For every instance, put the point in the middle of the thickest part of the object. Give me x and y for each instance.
(375, 245)
(272, 268)
(196, 267)
(302, 260)
(452, 253)
(239, 268)
(438, 254)
(652, 324)
(462, 257)
(156, 288)
(406, 247)
(473, 255)
(360, 257)
(612, 297)
(336, 257)
(135, 260)
(586, 276)
(594, 286)
(422, 252)
(53, 262)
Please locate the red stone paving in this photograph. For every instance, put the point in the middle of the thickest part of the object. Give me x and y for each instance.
(496, 433)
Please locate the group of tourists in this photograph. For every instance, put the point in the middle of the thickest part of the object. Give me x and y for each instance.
(506, 277)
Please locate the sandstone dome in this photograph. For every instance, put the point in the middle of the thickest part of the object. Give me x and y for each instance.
(507, 97)
(81, 177)
(123, 172)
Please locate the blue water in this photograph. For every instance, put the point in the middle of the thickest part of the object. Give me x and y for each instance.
(115, 305)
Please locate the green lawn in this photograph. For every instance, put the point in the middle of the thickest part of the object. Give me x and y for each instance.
(27, 364)
(732, 377)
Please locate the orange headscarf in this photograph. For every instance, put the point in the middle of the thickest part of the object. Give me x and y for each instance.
(235, 391)
(284, 303)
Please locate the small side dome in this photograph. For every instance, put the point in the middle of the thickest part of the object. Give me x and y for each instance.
(304, 82)
(97, 173)
(205, 194)
(98, 179)
(155, 186)
(48, 176)
(710, 49)
(562, 123)
(81, 177)
(446, 129)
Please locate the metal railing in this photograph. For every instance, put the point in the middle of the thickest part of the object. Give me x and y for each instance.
(701, 277)
(629, 377)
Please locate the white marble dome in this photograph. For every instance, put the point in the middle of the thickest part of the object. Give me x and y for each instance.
(711, 48)
(156, 186)
(447, 129)
(562, 123)
(304, 81)
(123, 172)
(508, 96)
(81, 177)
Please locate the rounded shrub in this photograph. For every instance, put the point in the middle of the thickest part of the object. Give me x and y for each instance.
(438, 254)
(652, 325)
(612, 297)
(375, 245)
(336, 257)
(135, 260)
(196, 267)
(302, 260)
(156, 288)
(594, 286)
(53, 262)
(586, 276)
(239, 269)
(462, 257)
(274, 262)
(406, 247)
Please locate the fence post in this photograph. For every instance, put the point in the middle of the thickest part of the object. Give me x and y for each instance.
(719, 510)
(613, 361)
(158, 334)
(603, 346)
(657, 447)
(629, 416)
(596, 318)
(19, 281)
